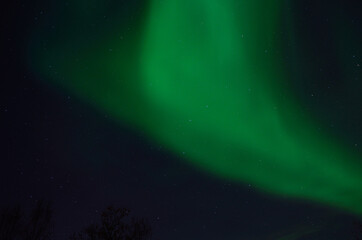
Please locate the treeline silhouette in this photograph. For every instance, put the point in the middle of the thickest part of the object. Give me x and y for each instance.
(115, 224)
(15, 225)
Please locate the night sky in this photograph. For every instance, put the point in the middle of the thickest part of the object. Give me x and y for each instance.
(212, 119)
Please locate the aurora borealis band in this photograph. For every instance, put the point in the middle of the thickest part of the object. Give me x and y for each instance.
(208, 80)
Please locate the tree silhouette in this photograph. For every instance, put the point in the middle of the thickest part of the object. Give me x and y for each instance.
(116, 224)
(39, 225)
(10, 223)
(15, 226)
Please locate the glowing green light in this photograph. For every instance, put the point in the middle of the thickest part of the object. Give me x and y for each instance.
(206, 79)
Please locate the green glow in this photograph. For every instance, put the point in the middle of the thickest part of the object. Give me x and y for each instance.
(206, 79)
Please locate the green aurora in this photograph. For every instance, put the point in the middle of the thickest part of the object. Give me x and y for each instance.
(206, 79)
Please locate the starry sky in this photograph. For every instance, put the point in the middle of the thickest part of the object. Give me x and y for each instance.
(213, 119)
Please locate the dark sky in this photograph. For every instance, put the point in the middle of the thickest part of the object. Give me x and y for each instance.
(57, 147)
